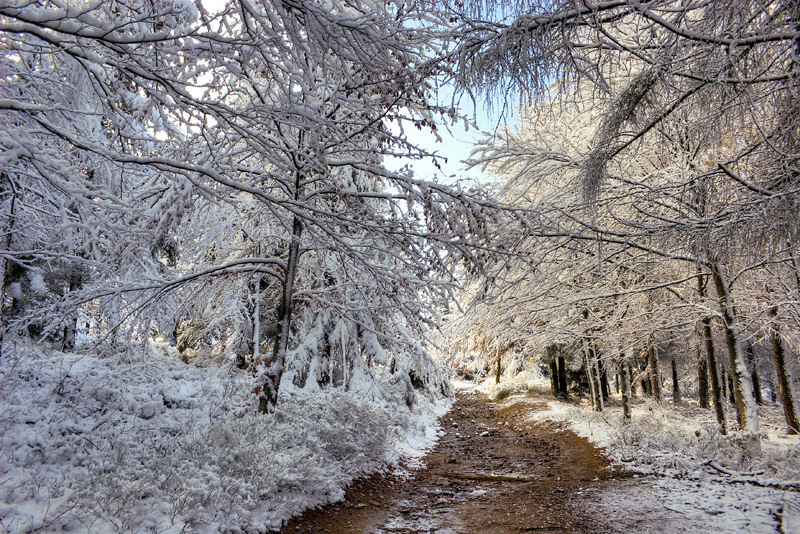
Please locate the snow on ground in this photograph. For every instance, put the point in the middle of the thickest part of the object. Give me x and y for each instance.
(151, 444)
(687, 473)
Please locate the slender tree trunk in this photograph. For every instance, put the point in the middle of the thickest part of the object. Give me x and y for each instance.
(497, 370)
(554, 384)
(702, 378)
(771, 388)
(746, 409)
(594, 376)
(562, 377)
(269, 392)
(676, 388)
(70, 328)
(592, 390)
(655, 374)
(644, 370)
(604, 389)
(630, 381)
(713, 369)
(626, 394)
(724, 377)
(785, 386)
(257, 322)
(751, 360)
(617, 379)
(598, 386)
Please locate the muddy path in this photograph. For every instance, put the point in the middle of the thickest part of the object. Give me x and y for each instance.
(492, 472)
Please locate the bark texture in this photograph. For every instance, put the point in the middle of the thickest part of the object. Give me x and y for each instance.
(702, 378)
(269, 392)
(785, 389)
(655, 374)
(746, 410)
(713, 369)
(562, 377)
(626, 394)
(676, 388)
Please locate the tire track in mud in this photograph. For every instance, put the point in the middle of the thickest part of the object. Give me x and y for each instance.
(492, 472)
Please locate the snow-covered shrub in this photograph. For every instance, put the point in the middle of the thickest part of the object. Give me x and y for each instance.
(250, 470)
(96, 444)
(503, 389)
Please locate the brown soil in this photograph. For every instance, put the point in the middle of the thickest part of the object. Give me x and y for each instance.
(492, 472)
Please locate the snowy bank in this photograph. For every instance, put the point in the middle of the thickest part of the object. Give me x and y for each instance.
(698, 479)
(152, 444)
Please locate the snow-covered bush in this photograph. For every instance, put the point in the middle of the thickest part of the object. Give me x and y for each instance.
(150, 445)
(681, 442)
(250, 470)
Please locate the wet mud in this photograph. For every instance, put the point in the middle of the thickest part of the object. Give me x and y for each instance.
(492, 472)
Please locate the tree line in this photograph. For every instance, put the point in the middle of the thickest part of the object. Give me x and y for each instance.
(221, 180)
(655, 160)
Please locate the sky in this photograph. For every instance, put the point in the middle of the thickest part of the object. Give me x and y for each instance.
(456, 141)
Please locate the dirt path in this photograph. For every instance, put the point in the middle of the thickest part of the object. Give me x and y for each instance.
(492, 472)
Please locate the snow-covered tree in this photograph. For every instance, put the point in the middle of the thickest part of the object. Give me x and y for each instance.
(242, 186)
(682, 158)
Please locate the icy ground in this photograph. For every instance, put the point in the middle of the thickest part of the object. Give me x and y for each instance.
(687, 474)
(147, 443)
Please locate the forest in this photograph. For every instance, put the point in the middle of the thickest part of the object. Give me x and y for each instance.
(227, 295)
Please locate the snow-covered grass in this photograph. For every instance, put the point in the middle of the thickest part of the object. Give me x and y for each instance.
(151, 444)
(681, 441)
(701, 480)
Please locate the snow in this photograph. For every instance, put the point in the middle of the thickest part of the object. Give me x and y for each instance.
(151, 444)
(680, 506)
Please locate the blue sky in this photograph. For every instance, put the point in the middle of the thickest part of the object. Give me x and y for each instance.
(456, 143)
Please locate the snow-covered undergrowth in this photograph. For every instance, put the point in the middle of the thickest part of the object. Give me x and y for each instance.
(682, 441)
(704, 479)
(154, 445)
(520, 383)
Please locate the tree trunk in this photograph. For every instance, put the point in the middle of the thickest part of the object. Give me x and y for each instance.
(655, 374)
(257, 322)
(604, 389)
(713, 369)
(676, 388)
(598, 386)
(717, 384)
(626, 394)
(645, 383)
(8, 230)
(71, 327)
(594, 377)
(592, 390)
(724, 377)
(771, 389)
(785, 386)
(746, 409)
(269, 392)
(751, 360)
(702, 378)
(554, 383)
(497, 371)
(562, 377)
(617, 379)
(630, 381)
